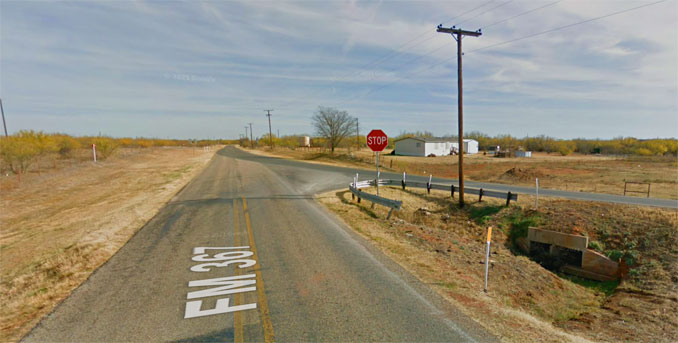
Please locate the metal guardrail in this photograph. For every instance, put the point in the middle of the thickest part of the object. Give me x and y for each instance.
(480, 192)
(375, 199)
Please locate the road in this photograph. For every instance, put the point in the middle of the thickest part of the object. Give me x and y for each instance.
(243, 253)
(320, 171)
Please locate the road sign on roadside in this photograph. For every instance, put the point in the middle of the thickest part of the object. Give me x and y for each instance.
(377, 140)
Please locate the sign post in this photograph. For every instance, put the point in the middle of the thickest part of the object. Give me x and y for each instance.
(377, 141)
(487, 256)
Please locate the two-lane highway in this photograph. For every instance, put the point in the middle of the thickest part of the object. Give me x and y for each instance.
(243, 253)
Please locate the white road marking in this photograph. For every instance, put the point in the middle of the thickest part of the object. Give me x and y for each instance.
(224, 285)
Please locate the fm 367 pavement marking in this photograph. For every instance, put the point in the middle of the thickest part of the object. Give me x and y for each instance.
(213, 258)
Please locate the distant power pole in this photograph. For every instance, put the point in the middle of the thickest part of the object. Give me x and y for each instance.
(251, 139)
(278, 133)
(4, 125)
(245, 131)
(270, 133)
(357, 133)
(460, 100)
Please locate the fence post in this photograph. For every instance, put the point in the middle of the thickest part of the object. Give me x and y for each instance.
(624, 187)
(94, 152)
(428, 184)
(452, 190)
(480, 195)
(354, 185)
(648, 189)
(508, 198)
(536, 199)
(487, 256)
(404, 178)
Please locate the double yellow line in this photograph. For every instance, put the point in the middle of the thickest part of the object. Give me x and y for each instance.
(261, 294)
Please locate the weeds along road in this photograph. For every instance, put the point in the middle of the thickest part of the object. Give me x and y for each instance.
(243, 253)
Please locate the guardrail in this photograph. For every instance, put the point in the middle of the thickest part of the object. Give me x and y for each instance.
(356, 185)
(480, 192)
(375, 199)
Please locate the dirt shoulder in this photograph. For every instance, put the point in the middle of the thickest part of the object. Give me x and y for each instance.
(580, 173)
(59, 226)
(444, 247)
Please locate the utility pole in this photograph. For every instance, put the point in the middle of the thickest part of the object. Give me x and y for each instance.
(4, 125)
(460, 99)
(251, 139)
(357, 133)
(245, 131)
(270, 134)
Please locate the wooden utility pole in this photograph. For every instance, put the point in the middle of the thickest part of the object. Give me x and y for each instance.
(460, 100)
(4, 125)
(245, 131)
(357, 133)
(251, 139)
(270, 133)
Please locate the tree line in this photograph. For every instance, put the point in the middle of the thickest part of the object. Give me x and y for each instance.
(19, 151)
(336, 128)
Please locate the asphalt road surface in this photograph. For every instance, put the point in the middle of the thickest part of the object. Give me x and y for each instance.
(243, 253)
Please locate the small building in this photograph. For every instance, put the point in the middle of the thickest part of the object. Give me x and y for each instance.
(419, 146)
(521, 153)
(470, 146)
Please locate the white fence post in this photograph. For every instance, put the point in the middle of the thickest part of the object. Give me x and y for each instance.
(536, 199)
(94, 152)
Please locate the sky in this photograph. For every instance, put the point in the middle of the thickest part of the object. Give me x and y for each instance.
(174, 69)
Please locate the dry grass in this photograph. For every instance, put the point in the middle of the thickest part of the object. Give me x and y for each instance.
(60, 225)
(444, 247)
(581, 173)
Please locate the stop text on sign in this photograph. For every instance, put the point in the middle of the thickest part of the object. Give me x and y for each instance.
(377, 140)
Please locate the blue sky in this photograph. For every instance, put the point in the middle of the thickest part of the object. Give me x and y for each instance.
(205, 69)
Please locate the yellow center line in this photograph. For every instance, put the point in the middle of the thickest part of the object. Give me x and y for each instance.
(237, 316)
(261, 294)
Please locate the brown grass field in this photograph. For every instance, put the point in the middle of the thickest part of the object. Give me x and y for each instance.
(61, 224)
(444, 247)
(584, 173)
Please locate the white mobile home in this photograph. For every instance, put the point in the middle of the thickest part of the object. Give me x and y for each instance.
(418, 146)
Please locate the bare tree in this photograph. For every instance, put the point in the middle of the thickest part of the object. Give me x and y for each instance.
(333, 125)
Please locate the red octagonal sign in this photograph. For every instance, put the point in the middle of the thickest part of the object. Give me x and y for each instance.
(377, 140)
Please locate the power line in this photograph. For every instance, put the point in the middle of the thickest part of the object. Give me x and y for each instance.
(481, 13)
(502, 43)
(398, 51)
(444, 45)
(565, 26)
(521, 14)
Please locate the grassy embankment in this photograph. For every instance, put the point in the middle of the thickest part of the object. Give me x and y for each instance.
(68, 215)
(444, 247)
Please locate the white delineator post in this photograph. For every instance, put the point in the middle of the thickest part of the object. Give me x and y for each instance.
(487, 255)
(94, 152)
(536, 199)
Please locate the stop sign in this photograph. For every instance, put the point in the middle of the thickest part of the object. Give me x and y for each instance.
(377, 140)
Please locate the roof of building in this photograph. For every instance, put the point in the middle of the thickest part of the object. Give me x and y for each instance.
(434, 139)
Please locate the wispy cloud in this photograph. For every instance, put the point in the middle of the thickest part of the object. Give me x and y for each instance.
(203, 69)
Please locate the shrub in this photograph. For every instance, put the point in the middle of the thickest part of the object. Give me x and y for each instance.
(20, 150)
(66, 145)
(105, 147)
